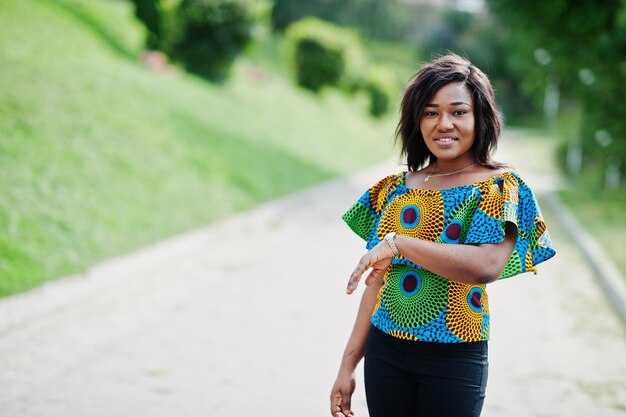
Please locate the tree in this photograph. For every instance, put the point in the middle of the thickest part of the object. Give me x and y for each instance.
(583, 44)
(212, 33)
(482, 39)
(381, 19)
(149, 13)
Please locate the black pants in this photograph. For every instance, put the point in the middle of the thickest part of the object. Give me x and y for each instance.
(419, 379)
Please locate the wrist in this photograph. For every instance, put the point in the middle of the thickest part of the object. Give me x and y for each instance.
(389, 238)
(346, 370)
(349, 362)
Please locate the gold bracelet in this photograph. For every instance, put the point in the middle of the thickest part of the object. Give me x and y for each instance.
(389, 238)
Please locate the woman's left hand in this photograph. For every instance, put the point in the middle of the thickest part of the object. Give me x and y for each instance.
(379, 259)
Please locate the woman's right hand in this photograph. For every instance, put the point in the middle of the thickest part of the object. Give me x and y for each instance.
(341, 395)
(379, 259)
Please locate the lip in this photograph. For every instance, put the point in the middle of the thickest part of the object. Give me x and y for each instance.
(445, 141)
(445, 138)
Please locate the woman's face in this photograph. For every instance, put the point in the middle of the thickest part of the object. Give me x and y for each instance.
(447, 123)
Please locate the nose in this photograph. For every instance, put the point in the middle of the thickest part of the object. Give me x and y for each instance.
(445, 123)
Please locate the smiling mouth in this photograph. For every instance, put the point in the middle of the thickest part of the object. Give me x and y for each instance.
(445, 140)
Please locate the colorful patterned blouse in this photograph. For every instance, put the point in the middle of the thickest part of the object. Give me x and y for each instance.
(417, 304)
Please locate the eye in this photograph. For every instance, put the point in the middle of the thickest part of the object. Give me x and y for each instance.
(459, 112)
(430, 113)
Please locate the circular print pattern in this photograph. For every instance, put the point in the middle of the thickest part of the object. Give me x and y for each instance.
(474, 299)
(410, 283)
(452, 233)
(409, 216)
(380, 191)
(467, 304)
(417, 213)
(496, 192)
(413, 297)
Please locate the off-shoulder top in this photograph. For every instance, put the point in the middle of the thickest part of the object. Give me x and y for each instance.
(416, 304)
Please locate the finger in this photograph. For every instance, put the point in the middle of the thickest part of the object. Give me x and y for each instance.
(361, 267)
(374, 275)
(347, 402)
(371, 278)
(356, 275)
(353, 283)
(335, 404)
(342, 413)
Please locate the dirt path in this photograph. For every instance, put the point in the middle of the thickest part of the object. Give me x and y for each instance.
(249, 317)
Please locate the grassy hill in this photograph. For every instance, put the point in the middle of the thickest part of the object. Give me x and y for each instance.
(99, 155)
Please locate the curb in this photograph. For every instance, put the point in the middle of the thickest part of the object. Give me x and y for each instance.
(17, 309)
(609, 278)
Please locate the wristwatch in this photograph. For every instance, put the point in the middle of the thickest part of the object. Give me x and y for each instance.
(389, 238)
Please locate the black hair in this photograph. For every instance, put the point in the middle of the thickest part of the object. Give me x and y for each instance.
(431, 77)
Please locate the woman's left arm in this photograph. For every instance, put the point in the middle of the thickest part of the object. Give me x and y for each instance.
(469, 264)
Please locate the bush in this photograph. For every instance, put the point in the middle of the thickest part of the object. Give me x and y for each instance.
(211, 34)
(380, 19)
(149, 13)
(380, 87)
(323, 54)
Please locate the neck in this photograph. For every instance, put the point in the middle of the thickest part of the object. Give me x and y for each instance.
(442, 166)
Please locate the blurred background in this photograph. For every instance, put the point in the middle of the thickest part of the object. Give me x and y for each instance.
(123, 123)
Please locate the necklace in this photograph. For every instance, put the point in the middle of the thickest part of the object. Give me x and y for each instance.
(448, 173)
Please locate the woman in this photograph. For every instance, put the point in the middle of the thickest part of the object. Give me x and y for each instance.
(437, 234)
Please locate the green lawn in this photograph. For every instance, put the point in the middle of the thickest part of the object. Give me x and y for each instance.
(99, 156)
(601, 213)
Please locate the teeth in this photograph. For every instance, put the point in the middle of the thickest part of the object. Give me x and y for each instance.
(445, 139)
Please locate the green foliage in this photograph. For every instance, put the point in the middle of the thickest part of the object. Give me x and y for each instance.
(482, 39)
(318, 64)
(601, 213)
(380, 86)
(584, 47)
(322, 53)
(100, 156)
(380, 19)
(149, 13)
(211, 34)
(326, 55)
(400, 64)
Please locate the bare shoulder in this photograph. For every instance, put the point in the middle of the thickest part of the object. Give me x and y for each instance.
(477, 173)
(483, 173)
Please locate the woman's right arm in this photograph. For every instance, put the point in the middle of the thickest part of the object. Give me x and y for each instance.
(341, 394)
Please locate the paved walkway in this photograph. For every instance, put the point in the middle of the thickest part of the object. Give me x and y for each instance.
(249, 317)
